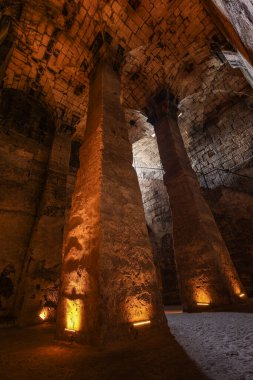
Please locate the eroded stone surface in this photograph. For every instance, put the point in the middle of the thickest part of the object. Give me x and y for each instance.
(155, 199)
(108, 276)
(26, 135)
(47, 52)
(233, 214)
(39, 285)
(206, 272)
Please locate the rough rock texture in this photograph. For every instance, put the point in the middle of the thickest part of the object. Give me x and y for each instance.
(159, 222)
(48, 50)
(108, 276)
(54, 46)
(26, 134)
(233, 212)
(237, 23)
(157, 211)
(225, 143)
(206, 272)
(41, 269)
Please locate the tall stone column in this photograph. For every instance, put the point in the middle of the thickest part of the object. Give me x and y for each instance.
(207, 276)
(38, 290)
(224, 13)
(108, 276)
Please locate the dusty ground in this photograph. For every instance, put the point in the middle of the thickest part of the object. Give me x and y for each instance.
(221, 343)
(33, 354)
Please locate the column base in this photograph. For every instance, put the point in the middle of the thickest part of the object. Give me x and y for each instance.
(120, 333)
(242, 306)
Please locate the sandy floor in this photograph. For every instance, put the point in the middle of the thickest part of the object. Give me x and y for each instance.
(33, 354)
(220, 343)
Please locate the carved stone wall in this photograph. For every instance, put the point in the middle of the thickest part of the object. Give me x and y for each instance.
(225, 142)
(26, 134)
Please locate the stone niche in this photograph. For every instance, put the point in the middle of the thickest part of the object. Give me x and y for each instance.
(26, 131)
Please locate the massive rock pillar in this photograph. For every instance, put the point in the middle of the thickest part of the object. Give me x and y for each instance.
(38, 289)
(232, 19)
(206, 273)
(108, 277)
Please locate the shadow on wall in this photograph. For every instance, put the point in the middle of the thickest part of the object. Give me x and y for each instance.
(26, 129)
(233, 212)
(6, 287)
(165, 267)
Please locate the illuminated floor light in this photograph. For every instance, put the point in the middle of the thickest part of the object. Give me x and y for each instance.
(242, 295)
(43, 314)
(73, 314)
(203, 304)
(141, 323)
(70, 330)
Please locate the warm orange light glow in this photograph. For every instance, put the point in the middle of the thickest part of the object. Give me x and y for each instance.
(137, 310)
(73, 331)
(141, 323)
(43, 314)
(242, 295)
(73, 315)
(203, 303)
(236, 287)
(202, 297)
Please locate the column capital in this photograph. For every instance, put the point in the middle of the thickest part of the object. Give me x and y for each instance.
(66, 124)
(65, 129)
(161, 105)
(104, 49)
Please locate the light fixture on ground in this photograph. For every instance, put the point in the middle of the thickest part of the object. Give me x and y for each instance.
(73, 315)
(203, 303)
(141, 323)
(70, 330)
(43, 314)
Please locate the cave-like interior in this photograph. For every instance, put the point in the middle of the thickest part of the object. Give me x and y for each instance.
(126, 188)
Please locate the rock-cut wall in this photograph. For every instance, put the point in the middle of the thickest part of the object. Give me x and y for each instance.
(233, 212)
(25, 139)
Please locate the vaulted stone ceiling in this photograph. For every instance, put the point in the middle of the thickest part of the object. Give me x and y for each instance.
(154, 43)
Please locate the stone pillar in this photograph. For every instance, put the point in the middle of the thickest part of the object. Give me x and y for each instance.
(37, 297)
(108, 277)
(207, 276)
(222, 16)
